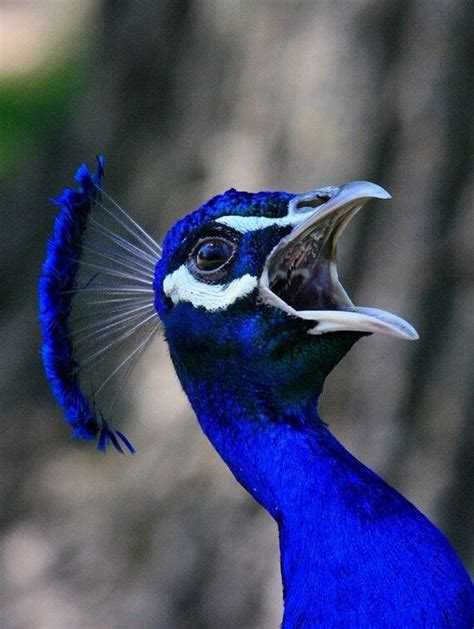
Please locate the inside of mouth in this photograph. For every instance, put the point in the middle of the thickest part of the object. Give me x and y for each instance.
(304, 274)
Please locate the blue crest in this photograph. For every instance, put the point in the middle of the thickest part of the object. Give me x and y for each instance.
(59, 288)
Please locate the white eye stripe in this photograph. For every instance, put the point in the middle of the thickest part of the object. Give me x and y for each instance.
(245, 224)
(182, 286)
(297, 212)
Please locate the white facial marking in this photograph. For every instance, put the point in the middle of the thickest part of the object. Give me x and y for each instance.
(245, 224)
(297, 213)
(182, 286)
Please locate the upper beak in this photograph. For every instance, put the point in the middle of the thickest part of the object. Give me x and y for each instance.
(300, 275)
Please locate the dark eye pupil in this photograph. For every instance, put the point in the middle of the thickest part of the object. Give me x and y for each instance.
(213, 254)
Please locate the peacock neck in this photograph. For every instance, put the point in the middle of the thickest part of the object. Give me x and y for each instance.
(284, 456)
(292, 465)
(344, 532)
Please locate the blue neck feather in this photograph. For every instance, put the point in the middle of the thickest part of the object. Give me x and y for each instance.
(354, 552)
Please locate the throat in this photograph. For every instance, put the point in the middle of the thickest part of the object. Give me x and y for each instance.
(284, 456)
(353, 551)
(346, 537)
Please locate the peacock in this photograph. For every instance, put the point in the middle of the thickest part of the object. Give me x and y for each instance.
(246, 292)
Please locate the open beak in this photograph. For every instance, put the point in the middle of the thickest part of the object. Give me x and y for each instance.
(300, 275)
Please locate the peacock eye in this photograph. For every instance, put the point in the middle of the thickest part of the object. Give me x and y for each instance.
(212, 254)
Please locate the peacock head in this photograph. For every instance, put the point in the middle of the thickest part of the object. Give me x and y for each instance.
(247, 288)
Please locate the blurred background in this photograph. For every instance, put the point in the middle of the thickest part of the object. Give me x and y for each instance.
(187, 98)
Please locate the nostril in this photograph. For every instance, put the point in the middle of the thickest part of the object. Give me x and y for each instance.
(316, 201)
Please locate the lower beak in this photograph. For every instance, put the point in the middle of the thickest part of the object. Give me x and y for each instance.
(300, 275)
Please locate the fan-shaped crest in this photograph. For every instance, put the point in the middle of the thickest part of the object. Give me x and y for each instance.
(96, 305)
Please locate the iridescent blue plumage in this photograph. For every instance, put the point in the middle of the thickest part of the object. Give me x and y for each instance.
(57, 287)
(255, 318)
(354, 552)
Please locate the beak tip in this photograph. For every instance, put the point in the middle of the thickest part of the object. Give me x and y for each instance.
(409, 333)
(364, 190)
(377, 192)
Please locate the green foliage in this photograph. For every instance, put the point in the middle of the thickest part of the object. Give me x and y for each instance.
(34, 106)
